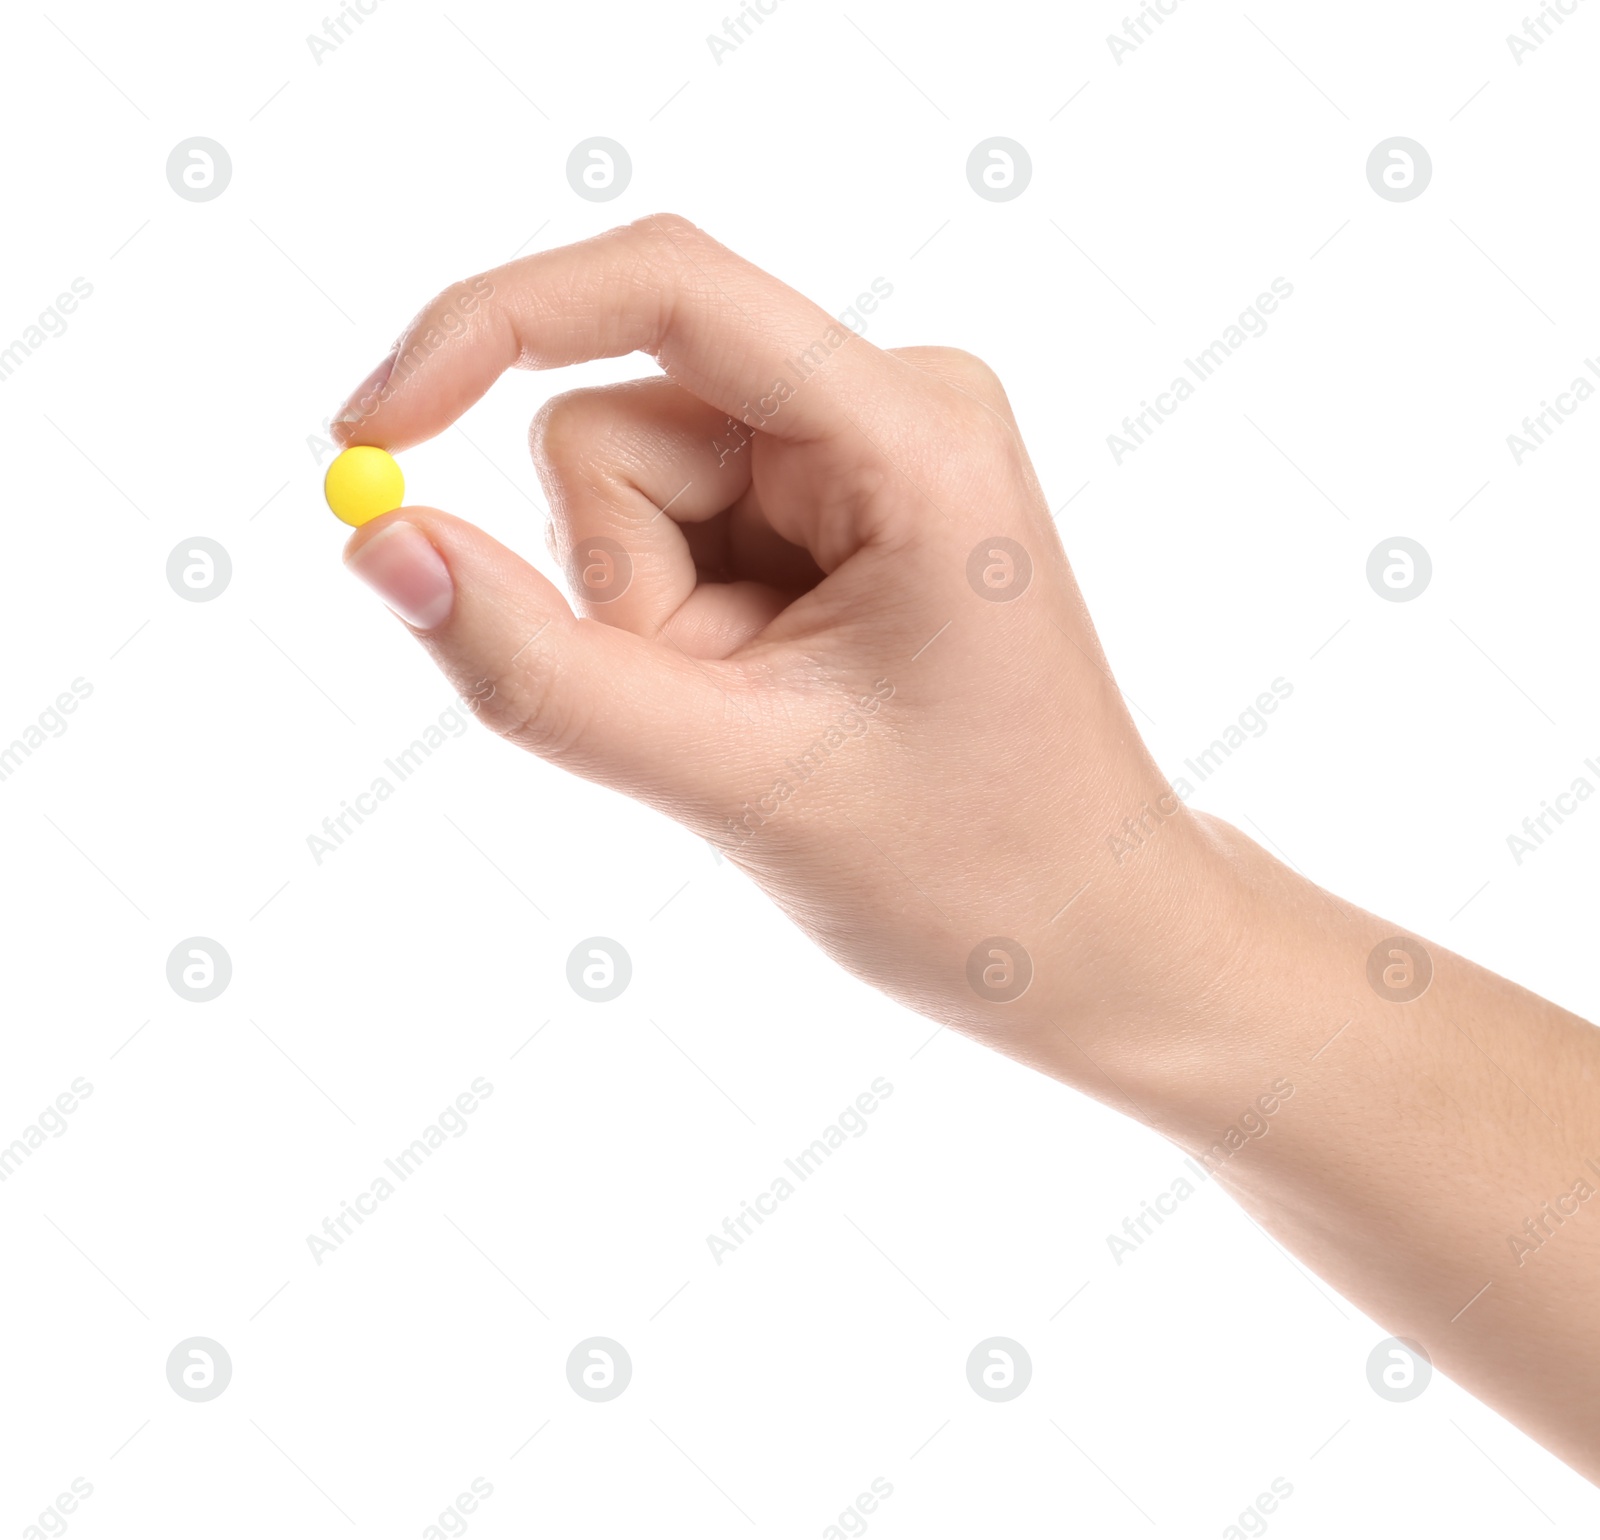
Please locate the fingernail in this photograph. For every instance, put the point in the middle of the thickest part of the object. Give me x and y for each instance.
(362, 402)
(401, 565)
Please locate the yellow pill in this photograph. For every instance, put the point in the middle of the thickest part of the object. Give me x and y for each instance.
(362, 483)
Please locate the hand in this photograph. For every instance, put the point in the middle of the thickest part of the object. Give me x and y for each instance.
(828, 625)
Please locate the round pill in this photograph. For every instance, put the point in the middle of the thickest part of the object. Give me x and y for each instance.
(362, 483)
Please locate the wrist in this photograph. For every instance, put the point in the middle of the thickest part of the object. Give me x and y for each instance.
(1205, 980)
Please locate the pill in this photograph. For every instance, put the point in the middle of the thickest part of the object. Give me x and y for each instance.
(363, 482)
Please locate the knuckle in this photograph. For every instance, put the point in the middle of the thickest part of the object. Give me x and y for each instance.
(970, 418)
(672, 248)
(972, 372)
(668, 227)
(451, 313)
(562, 428)
(969, 442)
(964, 405)
(536, 714)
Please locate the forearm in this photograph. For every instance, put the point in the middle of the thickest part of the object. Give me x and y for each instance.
(1436, 1159)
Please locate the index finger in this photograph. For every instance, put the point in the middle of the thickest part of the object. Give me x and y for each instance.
(721, 328)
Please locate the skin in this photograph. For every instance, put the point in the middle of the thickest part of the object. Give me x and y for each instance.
(1429, 1159)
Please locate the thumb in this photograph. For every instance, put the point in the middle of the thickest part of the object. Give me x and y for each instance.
(627, 711)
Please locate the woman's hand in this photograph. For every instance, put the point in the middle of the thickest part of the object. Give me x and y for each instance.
(830, 627)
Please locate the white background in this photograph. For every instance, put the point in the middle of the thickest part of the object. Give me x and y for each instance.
(186, 398)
